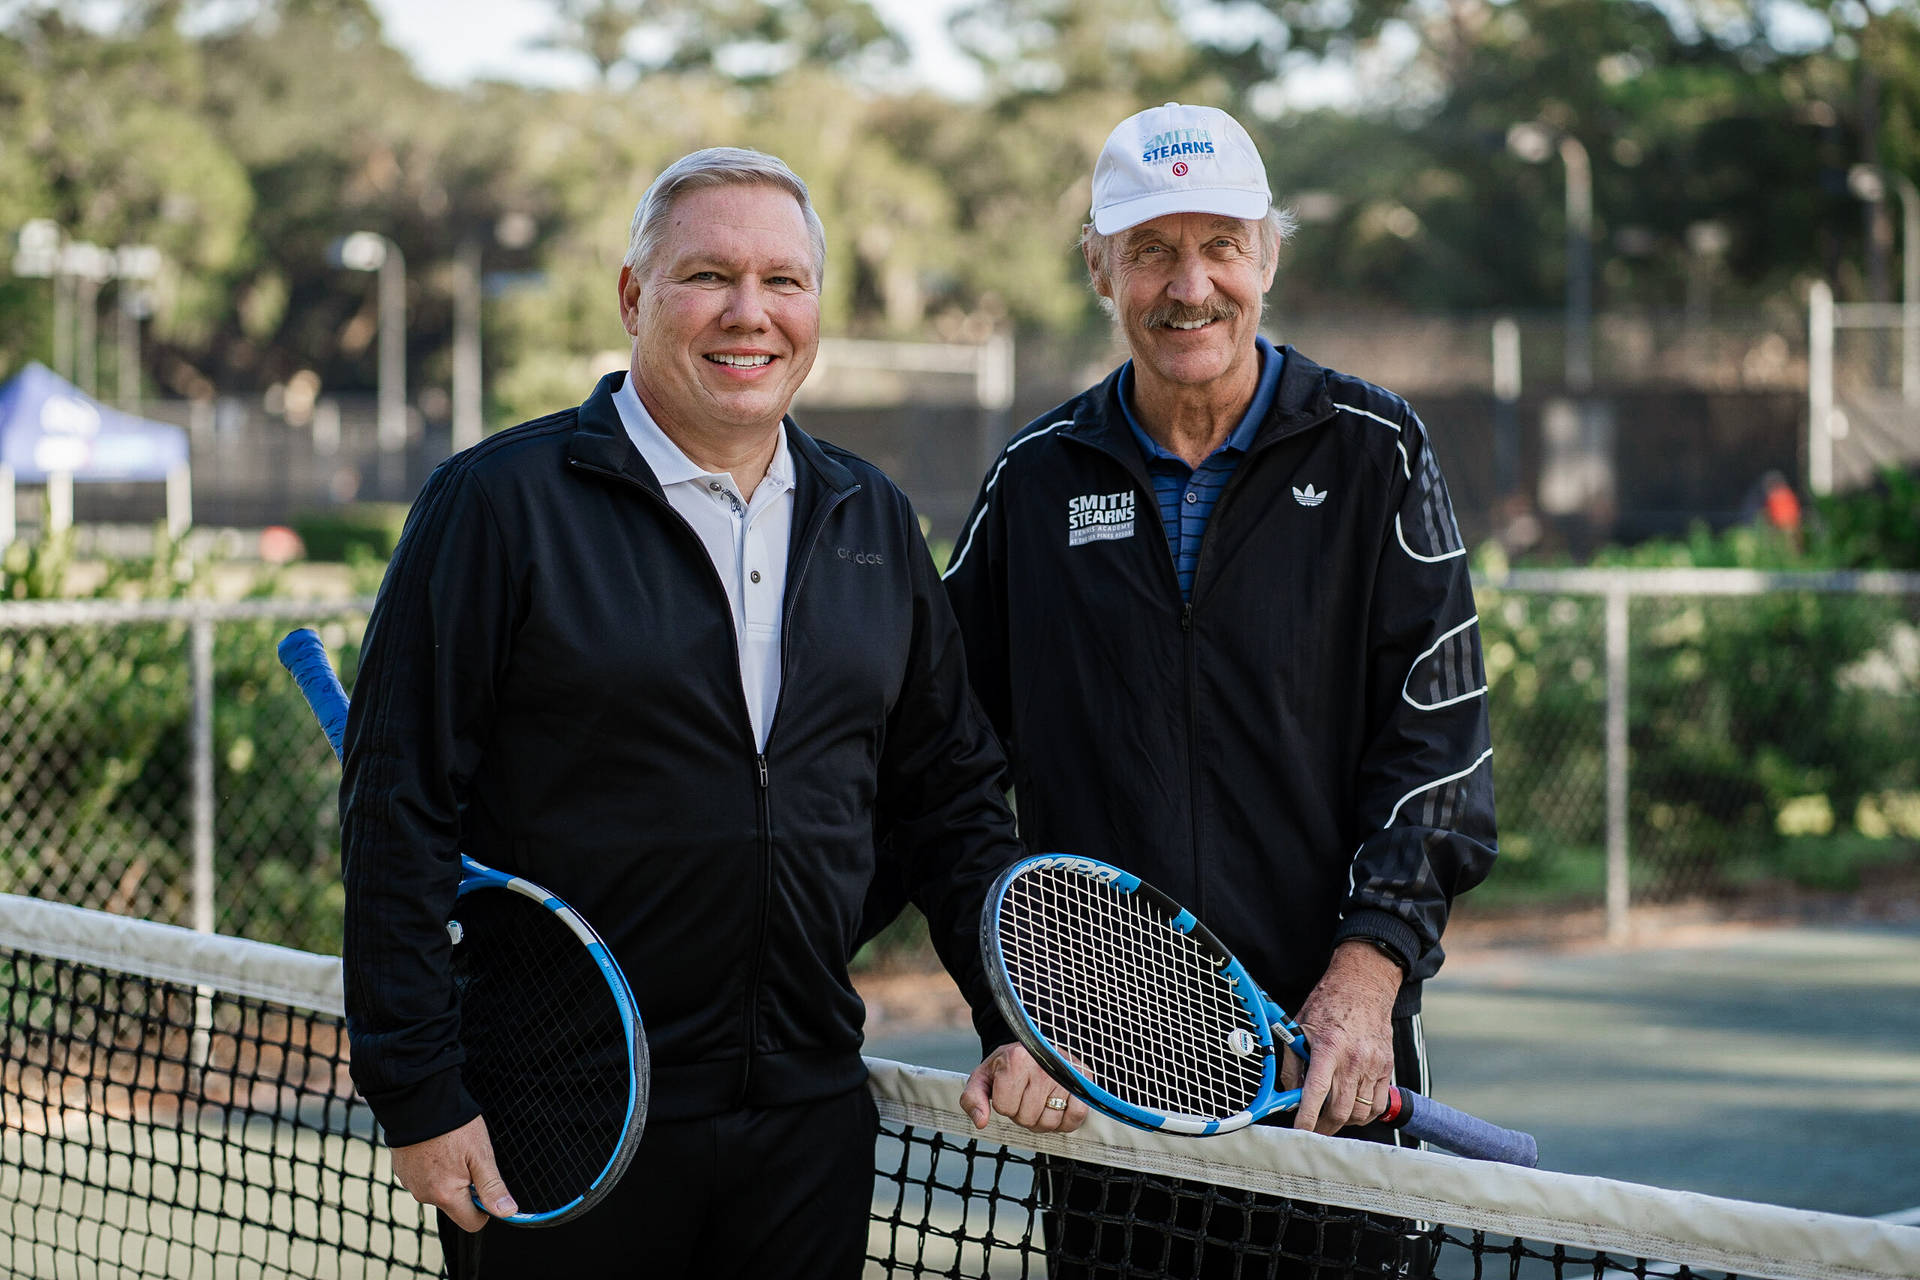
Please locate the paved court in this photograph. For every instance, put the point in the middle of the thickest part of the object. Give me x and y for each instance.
(1776, 1064)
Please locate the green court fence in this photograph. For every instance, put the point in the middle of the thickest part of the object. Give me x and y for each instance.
(1658, 735)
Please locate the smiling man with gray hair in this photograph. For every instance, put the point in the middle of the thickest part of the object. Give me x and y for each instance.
(1217, 608)
(692, 670)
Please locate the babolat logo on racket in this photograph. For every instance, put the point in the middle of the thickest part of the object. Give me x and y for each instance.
(1084, 866)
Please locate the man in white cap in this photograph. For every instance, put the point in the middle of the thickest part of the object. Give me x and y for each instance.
(1269, 702)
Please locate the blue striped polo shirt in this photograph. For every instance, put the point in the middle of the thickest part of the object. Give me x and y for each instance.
(1187, 494)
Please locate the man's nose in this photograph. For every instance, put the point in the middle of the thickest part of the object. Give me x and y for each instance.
(1191, 285)
(745, 310)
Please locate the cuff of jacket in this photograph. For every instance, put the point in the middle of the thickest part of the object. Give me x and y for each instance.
(1385, 930)
(433, 1106)
(993, 1032)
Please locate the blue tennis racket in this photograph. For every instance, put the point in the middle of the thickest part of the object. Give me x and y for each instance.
(1127, 1000)
(555, 1054)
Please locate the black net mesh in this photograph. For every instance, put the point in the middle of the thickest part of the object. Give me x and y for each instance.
(153, 1129)
(166, 1126)
(946, 1205)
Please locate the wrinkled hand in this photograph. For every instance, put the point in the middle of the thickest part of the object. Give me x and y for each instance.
(1348, 1019)
(440, 1172)
(1012, 1083)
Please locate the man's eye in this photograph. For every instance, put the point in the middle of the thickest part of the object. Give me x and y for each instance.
(784, 282)
(704, 276)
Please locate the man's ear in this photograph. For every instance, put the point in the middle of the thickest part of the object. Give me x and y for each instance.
(630, 300)
(1096, 271)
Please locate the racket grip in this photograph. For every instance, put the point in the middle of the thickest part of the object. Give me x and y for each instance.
(304, 655)
(1458, 1132)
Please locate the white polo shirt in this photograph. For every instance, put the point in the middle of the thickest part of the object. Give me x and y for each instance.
(746, 538)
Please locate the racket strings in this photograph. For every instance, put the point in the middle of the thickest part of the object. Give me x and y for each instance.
(1142, 1009)
(547, 1052)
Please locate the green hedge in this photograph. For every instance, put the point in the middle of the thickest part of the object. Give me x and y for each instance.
(1772, 738)
(366, 530)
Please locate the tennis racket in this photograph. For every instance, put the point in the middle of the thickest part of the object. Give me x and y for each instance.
(555, 1054)
(1127, 1000)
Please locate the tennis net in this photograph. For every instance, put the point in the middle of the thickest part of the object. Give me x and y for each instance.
(178, 1105)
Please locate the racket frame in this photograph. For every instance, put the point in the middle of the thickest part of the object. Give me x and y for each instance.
(305, 657)
(1420, 1116)
(474, 877)
(1272, 1028)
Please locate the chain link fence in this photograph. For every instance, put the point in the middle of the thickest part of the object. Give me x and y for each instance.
(1658, 735)
(156, 761)
(1669, 734)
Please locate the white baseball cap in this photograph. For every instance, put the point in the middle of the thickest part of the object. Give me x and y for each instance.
(1177, 159)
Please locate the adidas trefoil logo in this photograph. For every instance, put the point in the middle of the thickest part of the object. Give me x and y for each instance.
(1307, 497)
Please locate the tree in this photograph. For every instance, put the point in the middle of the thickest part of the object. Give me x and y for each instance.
(1694, 113)
(113, 146)
(749, 40)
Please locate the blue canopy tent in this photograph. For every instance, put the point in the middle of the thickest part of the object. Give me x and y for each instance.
(53, 433)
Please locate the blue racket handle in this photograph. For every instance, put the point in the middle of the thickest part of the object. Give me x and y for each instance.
(1458, 1132)
(303, 654)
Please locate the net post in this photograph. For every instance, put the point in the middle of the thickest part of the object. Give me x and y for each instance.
(1618, 600)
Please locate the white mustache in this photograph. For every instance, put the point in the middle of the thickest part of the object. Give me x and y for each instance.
(1179, 313)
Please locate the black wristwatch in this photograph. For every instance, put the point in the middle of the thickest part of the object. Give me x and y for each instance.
(1388, 952)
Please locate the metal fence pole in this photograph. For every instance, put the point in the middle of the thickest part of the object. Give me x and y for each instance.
(1617, 644)
(200, 667)
(1820, 389)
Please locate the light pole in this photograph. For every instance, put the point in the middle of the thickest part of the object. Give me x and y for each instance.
(1869, 183)
(1707, 243)
(37, 247)
(88, 266)
(1534, 142)
(468, 407)
(134, 265)
(371, 251)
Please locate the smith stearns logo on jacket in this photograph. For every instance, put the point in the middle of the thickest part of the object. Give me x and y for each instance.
(1103, 517)
(1099, 517)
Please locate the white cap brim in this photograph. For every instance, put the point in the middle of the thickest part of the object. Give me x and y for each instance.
(1227, 202)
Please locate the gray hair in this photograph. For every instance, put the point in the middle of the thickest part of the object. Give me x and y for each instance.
(717, 167)
(1276, 228)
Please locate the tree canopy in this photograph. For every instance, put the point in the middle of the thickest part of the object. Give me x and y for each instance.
(242, 139)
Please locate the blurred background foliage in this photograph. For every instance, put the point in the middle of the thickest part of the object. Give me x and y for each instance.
(243, 136)
(1771, 736)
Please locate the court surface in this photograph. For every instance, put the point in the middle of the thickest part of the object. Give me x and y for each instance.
(1763, 1063)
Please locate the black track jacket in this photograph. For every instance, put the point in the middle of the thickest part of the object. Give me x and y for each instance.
(1301, 754)
(550, 684)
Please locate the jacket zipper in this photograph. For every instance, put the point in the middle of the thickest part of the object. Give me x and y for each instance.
(763, 798)
(795, 579)
(1143, 485)
(1193, 661)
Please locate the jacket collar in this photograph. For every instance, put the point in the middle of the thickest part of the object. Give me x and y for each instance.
(1302, 401)
(600, 441)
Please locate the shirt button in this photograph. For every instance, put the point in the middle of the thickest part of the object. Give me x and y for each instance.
(714, 485)
(1192, 496)
(755, 575)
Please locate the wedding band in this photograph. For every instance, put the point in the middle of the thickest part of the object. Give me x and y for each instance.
(1056, 1104)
